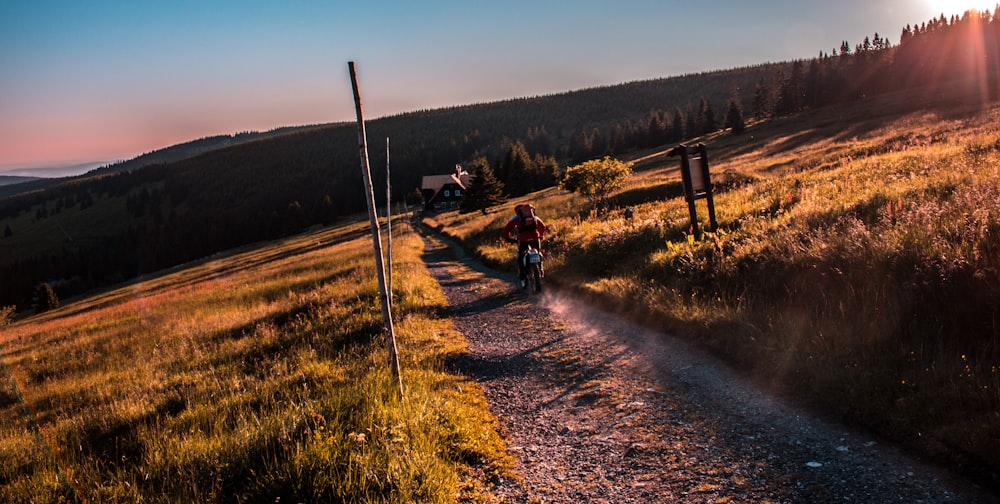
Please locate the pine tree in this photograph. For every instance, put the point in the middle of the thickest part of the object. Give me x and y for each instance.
(47, 299)
(517, 166)
(666, 133)
(796, 86)
(546, 171)
(761, 103)
(690, 124)
(294, 218)
(618, 143)
(327, 214)
(580, 147)
(598, 144)
(783, 99)
(484, 191)
(706, 117)
(415, 197)
(657, 130)
(677, 132)
(734, 117)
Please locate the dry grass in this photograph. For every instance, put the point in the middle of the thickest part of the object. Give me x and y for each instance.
(246, 378)
(856, 264)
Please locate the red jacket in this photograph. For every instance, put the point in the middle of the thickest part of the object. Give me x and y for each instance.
(523, 235)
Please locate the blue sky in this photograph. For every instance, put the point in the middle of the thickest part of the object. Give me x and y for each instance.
(102, 81)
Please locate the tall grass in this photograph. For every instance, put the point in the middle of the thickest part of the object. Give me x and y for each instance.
(856, 265)
(250, 378)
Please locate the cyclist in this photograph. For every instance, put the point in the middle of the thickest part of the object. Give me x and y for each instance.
(526, 230)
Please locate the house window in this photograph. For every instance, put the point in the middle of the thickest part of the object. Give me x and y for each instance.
(458, 192)
(447, 193)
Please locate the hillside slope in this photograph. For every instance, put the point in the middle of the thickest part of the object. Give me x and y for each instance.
(855, 266)
(258, 375)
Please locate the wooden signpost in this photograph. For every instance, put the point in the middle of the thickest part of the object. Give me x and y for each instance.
(697, 184)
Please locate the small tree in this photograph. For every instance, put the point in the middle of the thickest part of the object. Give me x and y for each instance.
(734, 117)
(596, 179)
(326, 211)
(545, 171)
(706, 117)
(295, 220)
(415, 197)
(47, 299)
(484, 191)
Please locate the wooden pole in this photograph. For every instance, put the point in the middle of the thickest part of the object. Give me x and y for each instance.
(688, 188)
(703, 152)
(376, 239)
(388, 220)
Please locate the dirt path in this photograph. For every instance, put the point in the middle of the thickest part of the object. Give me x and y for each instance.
(599, 410)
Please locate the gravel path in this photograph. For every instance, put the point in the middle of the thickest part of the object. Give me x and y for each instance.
(599, 410)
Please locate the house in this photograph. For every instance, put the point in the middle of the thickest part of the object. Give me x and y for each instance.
(444, 192)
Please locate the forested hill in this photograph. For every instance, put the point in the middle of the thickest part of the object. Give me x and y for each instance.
(169, 154)
(148, 214)
(14, 179)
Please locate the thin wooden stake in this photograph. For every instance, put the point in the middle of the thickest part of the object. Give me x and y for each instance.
(376, 239)
(388, 220)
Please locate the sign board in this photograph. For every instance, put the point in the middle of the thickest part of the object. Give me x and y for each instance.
(697, 183)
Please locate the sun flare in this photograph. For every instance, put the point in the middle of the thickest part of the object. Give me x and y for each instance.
(950, 7)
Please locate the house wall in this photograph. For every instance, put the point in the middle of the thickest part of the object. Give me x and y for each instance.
(447, 198)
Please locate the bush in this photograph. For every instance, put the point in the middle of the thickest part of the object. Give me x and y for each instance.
(47, 299)
(596, 179)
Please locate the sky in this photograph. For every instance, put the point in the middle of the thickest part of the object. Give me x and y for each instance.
(87, 83)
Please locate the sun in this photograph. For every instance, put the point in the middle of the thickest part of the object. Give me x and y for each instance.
(950, 7)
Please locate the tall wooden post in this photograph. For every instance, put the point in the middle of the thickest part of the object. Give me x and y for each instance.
(388, 221)
(376, 239)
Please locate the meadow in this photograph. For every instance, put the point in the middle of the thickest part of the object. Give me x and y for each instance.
(855, 269)
(256, 376)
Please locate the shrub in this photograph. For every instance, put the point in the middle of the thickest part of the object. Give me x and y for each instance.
(596, 179)
(47, 298)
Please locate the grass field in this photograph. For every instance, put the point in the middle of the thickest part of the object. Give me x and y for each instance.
(856, 264)
(260, 376)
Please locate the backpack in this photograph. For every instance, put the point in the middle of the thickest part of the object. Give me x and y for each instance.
(527, 214)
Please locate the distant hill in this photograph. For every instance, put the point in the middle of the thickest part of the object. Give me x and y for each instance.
(51, 170)
(193, 148)
(6, 180)
(165, 155)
